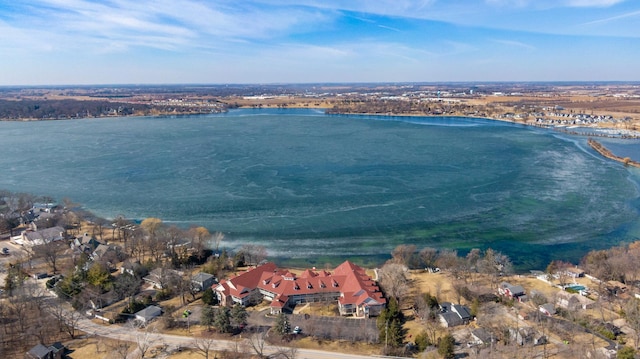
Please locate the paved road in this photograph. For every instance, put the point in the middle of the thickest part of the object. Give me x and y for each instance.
(127, 333)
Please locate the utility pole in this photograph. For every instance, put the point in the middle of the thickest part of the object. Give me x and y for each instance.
(386, 336)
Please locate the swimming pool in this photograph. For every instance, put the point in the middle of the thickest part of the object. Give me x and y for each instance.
(577, 288)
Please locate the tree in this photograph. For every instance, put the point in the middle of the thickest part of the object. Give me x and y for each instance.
(49, 252)
(200, 236)
(393, 280)
(404, 254)
(282, 326)
(217, 239)
(428, 256)
(422, 341)
(208, 316)
(99, 276)
(208, 297)
(626, 353)
(203, 345)
(390, 324)
(222, 320)
(446, 346)
(239, 315)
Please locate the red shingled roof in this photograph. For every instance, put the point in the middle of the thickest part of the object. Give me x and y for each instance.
(349, 280)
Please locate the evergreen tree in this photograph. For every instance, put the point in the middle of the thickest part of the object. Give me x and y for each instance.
(446, 346)
(239, 315)
(208, 316)
(208, 297)
(390, 324)
(422, 341)
(222, 320)
(282, 326)
(626, 353)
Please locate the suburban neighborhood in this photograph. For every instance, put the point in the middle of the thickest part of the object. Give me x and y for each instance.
(151, 279)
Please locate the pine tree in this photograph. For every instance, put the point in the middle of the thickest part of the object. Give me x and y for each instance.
(208, 297)
(239, 315)
(446, 346)
(390, 323)
(222, 320)
(208, 316)
(282, 326)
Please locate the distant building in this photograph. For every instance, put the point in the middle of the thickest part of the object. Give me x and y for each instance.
(54, 351)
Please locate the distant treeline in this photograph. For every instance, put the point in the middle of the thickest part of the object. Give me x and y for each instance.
(69, 109)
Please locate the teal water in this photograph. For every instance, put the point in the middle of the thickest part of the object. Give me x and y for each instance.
(314, 188)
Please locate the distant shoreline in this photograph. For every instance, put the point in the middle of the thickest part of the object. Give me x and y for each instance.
(605, 152)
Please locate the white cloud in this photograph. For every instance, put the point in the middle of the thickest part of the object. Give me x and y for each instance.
(513, 43)
(593, 3)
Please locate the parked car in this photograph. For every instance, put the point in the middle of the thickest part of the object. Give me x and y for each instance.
(297, 330)
(5, 251)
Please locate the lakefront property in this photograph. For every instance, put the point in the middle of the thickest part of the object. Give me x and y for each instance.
(357, 294)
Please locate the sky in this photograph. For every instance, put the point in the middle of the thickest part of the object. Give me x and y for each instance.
(78, 42)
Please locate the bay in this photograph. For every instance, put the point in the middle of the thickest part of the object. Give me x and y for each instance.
(317, 189)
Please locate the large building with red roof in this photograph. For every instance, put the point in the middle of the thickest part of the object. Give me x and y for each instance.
(356, 293)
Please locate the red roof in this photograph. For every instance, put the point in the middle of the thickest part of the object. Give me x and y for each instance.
(348, 279)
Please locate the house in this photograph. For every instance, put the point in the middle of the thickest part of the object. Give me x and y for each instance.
(133, 268)
(512, 291)
(547, 309)
(85, 243)
(574, 272)
(160, 277)
(43, 236)
(203, 280)
(54, 351)
(452, 315)
(616, 287)
(573, 301)
(481, 336)
(147, 314)
(356, 293)
(100, 251)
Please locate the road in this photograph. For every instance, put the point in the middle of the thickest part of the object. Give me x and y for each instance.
(173, 342)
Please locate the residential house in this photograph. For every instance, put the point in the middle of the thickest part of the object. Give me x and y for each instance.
(615, 287)
(43, 236)
(54, 351)
(85, 243)
(516, 292)
(547, 309)
(161, 277)
(452, 315)
(356, 293)
(573, 301)
(203, 280)
(526, 335)
(481, 336)
(147, 314)
(574, 272)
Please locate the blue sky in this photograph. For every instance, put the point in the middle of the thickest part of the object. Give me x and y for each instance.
(45, 42)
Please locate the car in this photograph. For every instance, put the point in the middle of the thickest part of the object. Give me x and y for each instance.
(5, 251)
(297, 330)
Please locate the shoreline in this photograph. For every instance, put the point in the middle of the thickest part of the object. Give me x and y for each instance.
(605, 152)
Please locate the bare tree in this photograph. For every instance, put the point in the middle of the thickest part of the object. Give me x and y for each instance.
(67, 318)
(217, 239)
(393, 280)
(258, 342)
(203, 345)
(143, 338)
(428, 256)
(119, 349)
(49, 252)
(200, 238)
(404, 254)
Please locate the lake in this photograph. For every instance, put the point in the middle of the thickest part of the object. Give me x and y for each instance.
(317, 189)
